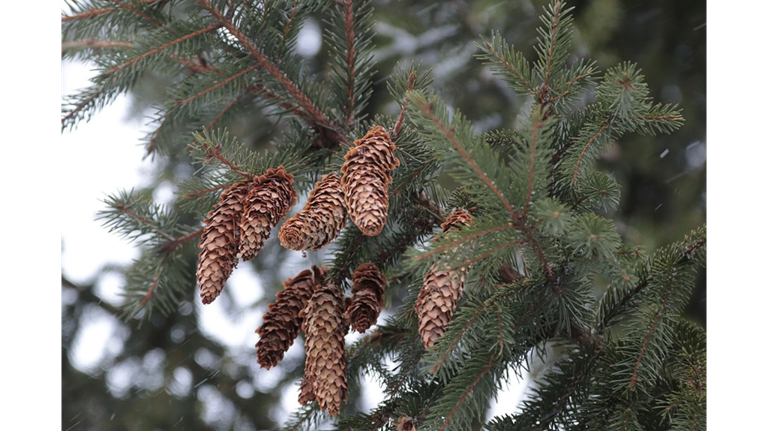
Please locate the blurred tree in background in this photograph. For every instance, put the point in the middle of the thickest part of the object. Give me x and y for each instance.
(168, 373)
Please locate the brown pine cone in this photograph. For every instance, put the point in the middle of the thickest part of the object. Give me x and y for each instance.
(218, 244)
(436, 303)
(368, 285)
(405, 424)
(321, 219)
(366, 175)
(268, 202)
(456, 219)
(326, 361)
(441, 290)
(281, 324)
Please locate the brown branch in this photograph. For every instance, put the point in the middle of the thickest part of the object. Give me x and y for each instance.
(196, 67)
(550, 55)
(461, 240)
(466, 393)
(401, 117)
(150, 291)
(349, 29)
(88, 14)
(288, 25)
(194, 195)
(139, 13)
(427, 109)
(176, 242)
(659, 117)
(584, 150)
(220, 84)
(530, 175)
(79, 107)
(456, 340)
(165, 46)
(489, 253)
(509, 67)
(126, 209)
(96, 44)
(633, 380)
(215, 152)
(312, 112)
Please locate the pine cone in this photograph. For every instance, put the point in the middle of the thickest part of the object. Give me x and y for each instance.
(405, 424)
(368, 285)
(321, 219)
(456, 219)
(268, 202)
(441, 290)
(218, 244)
(366, 175)
(281, 324)
(326, 363)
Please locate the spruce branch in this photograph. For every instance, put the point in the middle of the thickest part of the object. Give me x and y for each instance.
(96, 44)
(314, 115)
(427, 109)
(553, 47)
(349, 31)
(503, 60)
(400, 118)
(216, 86)
(94, 12)
(163, 47)
(602, 129)
(140, 13)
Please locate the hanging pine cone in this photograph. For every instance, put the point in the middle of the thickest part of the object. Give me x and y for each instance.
(405, 424)
(326, 362)
(268, 202)
(281, 324)
(218, 244)
(366, 175)
(321, 219)
(441, 290)
(368, 285)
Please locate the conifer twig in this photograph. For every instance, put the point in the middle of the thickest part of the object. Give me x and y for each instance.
(543, 95)
(606, 123)
(165, 46)
(313, 114)
(452, 245)
(529, 195)
(427, 109)
(483, 372)
(217, 85)
(399, 123)
(176, 242)
(509, 67)
(141, 14)
(349, 30)
(94, 44)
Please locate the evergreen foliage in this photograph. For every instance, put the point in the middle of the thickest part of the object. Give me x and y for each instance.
(546, 265)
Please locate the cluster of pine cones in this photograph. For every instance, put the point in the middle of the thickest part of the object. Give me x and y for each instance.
(242, 221)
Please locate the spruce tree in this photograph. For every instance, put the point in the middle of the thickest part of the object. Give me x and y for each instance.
(484, 251)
